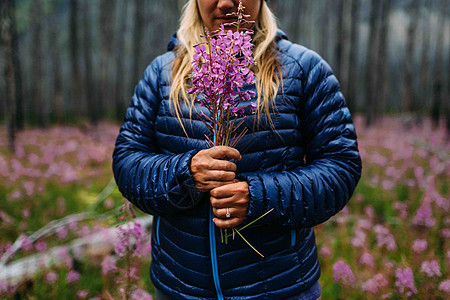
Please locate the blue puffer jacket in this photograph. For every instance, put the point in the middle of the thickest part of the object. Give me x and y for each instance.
(306, 171)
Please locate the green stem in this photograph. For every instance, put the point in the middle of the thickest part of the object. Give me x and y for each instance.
(249, 243)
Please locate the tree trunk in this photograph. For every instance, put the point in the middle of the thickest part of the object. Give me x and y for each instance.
(17, 69)
(354, 53)
(409, 95)
(425, 57)
(56, 68)
(339, 48)
(371, 63)
(92, 102)
(324, 41)
(138, 36)
(120, 50)
(37, 13)
(107, 10)
(383, 46)
(438, 84)
(77, 101)
(6, 16)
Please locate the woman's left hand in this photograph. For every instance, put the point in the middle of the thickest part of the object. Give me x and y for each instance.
(234, 196)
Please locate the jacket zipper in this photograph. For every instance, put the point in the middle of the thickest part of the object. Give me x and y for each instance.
(212, 245)
(158, 218)
(293, 237)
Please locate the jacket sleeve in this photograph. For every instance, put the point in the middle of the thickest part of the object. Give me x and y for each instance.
(156, 183)
(311, 194)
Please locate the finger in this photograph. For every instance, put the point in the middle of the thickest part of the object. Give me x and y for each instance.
(209, 185)
(234, 213)
(214, 175)
(225, 191)
(219, 152)
(217, 164)
(228, 223)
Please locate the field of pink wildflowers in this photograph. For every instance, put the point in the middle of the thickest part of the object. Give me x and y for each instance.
(390, 242)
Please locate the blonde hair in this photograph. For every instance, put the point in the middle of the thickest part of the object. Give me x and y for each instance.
(267, 68)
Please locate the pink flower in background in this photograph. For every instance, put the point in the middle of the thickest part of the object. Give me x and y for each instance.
(343, 273)
(366, 259)
(445, 286)
(424, 216)
(51, 277)
(375, 283)
(420, 245)
(72, 276)
(359, 239)
(108, 265)
(405, 281)
(445, 233)
(431, 268)
(325, 251)
(140, 294)
(40, 245)
(62, 233)
(384, 238)
(402, 209)
(63, 254)
(83, 294)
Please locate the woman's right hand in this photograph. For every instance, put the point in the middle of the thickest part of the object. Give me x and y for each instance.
(210, 170)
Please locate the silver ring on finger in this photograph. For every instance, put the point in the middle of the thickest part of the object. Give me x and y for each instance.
(228, 215)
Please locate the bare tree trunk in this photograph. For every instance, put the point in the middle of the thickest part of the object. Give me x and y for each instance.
(409, 96)
(17, 69)
(438, 83)
(6, 16)
(383, 46)
(77, 100)
(339, 48)
(138, 36)
(354, 52)
(325, 42)
(37, 13)
(425, 57)
(107, 10)
(120, 50)
(92, 102)
(371, 63)
(56, 68)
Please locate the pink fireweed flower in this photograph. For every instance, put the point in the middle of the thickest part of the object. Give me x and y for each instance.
(82, 294)
(431, 268)
(40, 246)
(402, 209)
(405, 281)
(445, 233)
(385, 238)
(343, 273)
(374, 284)
(420, 245)
(424, 216)
(366, 259)
(131, 237)
(445, 286)
(72, 276)
(325, 251)
(220, 72)
(51, 277)
(359, 239)
(140, 294)
(108, 265)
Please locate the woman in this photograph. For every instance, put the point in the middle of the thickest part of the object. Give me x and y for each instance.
(299, 158)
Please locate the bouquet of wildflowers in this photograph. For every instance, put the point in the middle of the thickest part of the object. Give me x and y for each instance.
(221, 69)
